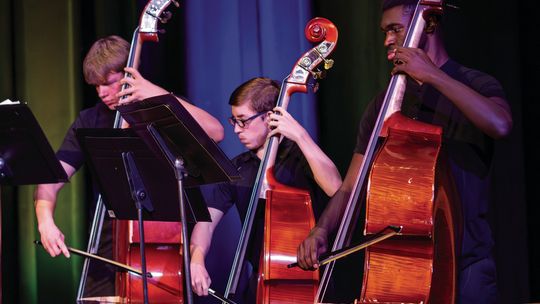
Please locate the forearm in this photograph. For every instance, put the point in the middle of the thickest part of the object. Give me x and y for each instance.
(45, 202)
(201, 239)
(324, 170)
(491, 115)
(333, 213)
(335, 208)
(209, 123)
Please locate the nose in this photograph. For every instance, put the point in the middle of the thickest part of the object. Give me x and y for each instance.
(101, 91)
(237, 129)
(389, 39)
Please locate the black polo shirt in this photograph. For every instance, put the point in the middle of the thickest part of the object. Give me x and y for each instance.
(98, 116)
(469, 150)
(291, 169)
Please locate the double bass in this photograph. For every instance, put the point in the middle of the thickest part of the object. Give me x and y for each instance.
(409, 187)
(288, 211)
(163, 239)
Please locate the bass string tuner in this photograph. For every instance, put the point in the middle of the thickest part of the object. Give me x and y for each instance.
(165, 16)
(176, 3)
(318, 74)
(328, 63)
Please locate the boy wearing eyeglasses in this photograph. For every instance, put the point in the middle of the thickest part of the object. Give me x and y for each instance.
(300, 163)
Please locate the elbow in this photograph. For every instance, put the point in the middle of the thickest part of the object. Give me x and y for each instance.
(217, 133)
(334, 185)
(213, 128)
(502, 128)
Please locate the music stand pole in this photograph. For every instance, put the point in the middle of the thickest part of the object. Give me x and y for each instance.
(141, 200)
(1, 165)
(180, 173)
(26, 157)
(2, 162)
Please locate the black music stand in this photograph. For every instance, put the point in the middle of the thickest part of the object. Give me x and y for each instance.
(104, 149)
(174, 146)
(26, 157)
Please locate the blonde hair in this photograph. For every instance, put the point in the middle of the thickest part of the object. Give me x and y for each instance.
(106, 55)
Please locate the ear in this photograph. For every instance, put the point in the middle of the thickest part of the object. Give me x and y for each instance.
(267, 116)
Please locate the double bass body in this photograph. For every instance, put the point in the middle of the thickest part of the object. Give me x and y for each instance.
(163, 241)
(410, 187)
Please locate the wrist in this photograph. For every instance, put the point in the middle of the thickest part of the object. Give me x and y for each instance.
(319, 231)
(44, 213)
(197, 260)
(197, 255)
(303, 139)
(436, 77)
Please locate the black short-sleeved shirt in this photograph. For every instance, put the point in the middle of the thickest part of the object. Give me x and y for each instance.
(100, 280)
(469, 149)
(291, 169)
(98, 116)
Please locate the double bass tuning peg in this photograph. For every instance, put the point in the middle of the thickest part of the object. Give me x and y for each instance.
(328, 64)
(318, 74)
(165, 16)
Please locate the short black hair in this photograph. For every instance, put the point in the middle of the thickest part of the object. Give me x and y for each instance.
(261, 93)
(387, 4)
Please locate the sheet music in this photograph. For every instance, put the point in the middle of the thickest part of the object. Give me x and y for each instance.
(9, 102)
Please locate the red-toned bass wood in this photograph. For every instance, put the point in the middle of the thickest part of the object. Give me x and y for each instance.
(409, 187)
(162, 239)
(288, 211)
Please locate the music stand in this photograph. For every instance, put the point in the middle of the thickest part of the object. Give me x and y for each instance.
(26, 157)
(173, 137)
(104, 148)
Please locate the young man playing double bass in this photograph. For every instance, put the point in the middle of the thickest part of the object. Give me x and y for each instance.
(103, 68)
(300, 163)
(471, 108)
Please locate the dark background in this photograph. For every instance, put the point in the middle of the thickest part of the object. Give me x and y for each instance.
(498, 37)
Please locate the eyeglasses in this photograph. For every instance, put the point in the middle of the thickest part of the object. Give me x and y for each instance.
(243, 123)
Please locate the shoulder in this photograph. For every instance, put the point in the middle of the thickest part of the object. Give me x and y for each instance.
(98, 115)
(93, 111)
(480, 81)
